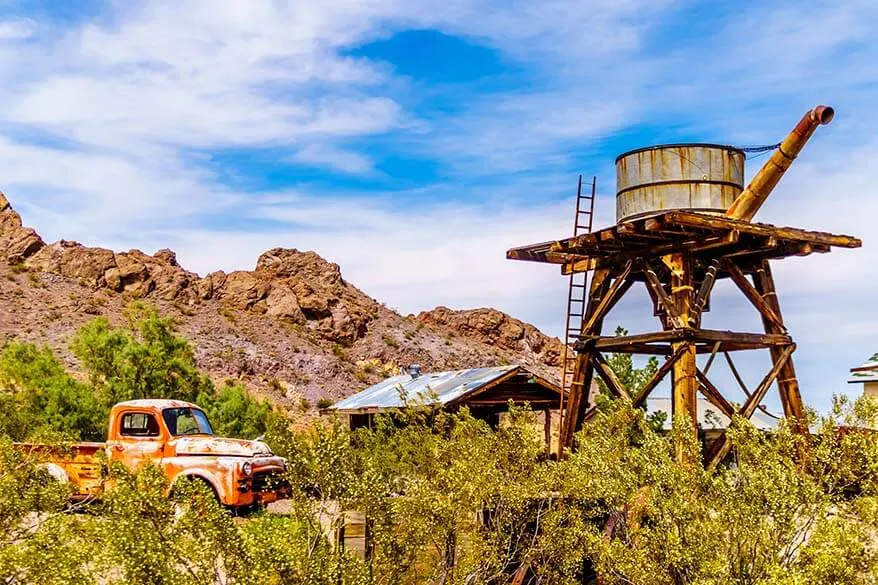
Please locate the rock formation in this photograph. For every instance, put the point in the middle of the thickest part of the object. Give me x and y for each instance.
(292, 328)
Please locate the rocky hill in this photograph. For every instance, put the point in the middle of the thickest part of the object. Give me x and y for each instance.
(291, 329)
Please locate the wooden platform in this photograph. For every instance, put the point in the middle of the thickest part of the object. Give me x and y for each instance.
(708, 237)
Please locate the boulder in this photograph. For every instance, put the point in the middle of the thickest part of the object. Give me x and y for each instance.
(129, 274)
(171, 285)
(314, 303)
(289, 262)
(166, 256)
(16, 242)
(73, 260)
(346, 326)
(243, 289)
(207, 286)
(282, 303)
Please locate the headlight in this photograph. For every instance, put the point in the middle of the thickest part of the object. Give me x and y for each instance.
(247, 468)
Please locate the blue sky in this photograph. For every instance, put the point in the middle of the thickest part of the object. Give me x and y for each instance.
(414, 142)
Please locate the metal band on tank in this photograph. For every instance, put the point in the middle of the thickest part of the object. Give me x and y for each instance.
(643, 214)
(680, 182)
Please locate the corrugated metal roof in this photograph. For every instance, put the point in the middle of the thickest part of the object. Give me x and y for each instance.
(716, 420)
(441, 387)
(445, 387)
(868, 372)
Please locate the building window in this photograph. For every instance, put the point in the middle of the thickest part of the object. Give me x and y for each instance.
(359, 421)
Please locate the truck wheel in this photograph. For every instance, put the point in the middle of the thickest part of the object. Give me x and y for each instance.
(193, 493)
(55, 471)
(244, 511)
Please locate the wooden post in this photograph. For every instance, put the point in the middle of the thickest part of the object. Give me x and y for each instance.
(547, 429)
(787, 382)
(685, 368)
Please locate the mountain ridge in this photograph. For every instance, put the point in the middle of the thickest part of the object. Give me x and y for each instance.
(292, 329)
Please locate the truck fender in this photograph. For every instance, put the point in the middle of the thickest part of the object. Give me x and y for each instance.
(202, 475)
(55, 471)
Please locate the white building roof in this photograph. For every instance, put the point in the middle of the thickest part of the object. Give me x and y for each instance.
(867, 372)
(709, 416)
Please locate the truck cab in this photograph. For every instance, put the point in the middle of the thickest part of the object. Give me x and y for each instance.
(177, 437)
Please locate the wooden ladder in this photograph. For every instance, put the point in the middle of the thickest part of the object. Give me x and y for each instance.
(577, 293)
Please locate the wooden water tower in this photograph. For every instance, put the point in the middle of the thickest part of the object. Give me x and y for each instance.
(683, 222)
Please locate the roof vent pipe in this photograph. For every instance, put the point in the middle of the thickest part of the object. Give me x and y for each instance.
(745, 206)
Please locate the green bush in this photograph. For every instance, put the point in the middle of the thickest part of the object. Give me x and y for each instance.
(451, 501)
(145, 358)
(235, 413)
(448, 500)
(37, 395)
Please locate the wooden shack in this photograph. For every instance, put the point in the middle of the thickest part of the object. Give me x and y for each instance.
(485, 391)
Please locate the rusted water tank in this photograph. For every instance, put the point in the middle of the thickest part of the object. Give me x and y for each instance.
(695, 177)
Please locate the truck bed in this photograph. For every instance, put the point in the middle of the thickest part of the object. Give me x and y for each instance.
(82, 465)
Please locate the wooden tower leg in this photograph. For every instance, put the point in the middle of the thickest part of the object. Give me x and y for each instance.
(685, 378)
(787, 382)
(583, 370)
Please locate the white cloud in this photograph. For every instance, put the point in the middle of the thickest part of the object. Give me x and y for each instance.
(110, 126)
(325, 156)
(16, 29)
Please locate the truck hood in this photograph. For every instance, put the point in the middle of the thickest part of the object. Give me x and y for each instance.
(218, 446)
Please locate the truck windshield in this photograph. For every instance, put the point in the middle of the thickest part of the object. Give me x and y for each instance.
(186, 421)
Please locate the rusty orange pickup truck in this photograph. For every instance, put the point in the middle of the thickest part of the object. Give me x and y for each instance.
(177, 437)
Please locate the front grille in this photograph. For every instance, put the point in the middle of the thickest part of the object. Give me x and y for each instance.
(268, 481)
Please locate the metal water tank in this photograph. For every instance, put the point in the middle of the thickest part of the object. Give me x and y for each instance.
(695, 177)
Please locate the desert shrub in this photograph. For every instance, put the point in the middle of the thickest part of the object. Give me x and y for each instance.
(235, 413)
(38, 395)
(451, 501)
(448, 500)
(145, 358)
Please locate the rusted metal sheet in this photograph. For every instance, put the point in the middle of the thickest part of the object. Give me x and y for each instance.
(696, 177)
(751, 199)
(442, 388)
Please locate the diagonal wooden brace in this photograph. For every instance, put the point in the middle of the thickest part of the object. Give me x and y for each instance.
(619, 287)
(741, 281)
(655, 285)
(609, 376)
(721, 446)
(656, 378)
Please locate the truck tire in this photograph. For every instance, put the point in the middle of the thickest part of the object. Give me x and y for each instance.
(56, 472)
(244, 511)
(187, 493)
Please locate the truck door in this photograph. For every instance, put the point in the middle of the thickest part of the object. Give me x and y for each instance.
(139, 439)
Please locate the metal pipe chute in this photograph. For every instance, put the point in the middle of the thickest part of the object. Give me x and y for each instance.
(745, 206)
